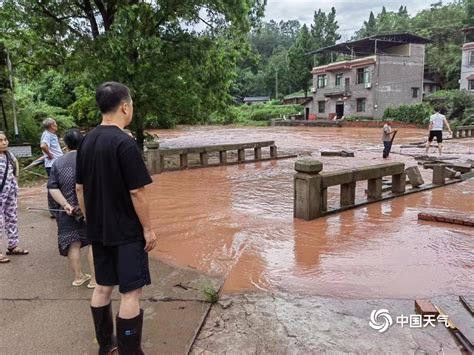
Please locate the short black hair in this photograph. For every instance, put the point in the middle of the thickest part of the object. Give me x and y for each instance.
(72, 138)
(110, 95)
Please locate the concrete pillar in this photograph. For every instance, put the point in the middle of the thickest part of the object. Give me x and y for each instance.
(204, 158)
(153, 161)
(258, 153)
(223, 157)
(439, 174)
(414, 176)
(374, 189)
(272, 122)
(162, 163)
(241, 155)
(347, 194)
(307, 189)
(273, 151)
(183, 161)
(455, 133)
(324, 199)
(399, 183)
(153, 157)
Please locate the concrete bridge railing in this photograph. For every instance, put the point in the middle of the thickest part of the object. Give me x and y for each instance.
(463, 132)
(155, 157)
(311, 184)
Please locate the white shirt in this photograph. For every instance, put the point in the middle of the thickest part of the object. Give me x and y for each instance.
(438, 121)
(52, 141)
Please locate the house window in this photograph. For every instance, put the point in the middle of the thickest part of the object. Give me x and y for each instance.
(338, 79)
(322, 81)
(471, 58)
(414, 92)
(471, 85)
(363, 75)
(360, 105)
(321, 106)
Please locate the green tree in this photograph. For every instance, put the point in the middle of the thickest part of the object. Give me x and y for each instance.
(175, 73)
(299, 63)
(324, 33)
(369, 29)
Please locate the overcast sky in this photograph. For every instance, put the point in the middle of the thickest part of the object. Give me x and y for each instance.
(350, 14)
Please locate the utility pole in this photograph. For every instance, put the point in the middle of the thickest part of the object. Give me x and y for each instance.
(10, 74)
(276, 84)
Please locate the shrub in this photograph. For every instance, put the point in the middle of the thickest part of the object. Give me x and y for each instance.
(454, 101)
(245, 113)
(416, 113)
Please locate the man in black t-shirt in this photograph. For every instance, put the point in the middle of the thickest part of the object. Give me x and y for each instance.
(110, 183)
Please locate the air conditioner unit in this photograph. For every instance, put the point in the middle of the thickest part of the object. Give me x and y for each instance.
(313, 90)
(368, 85)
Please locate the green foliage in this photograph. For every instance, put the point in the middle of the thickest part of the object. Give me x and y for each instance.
(250, 113)
(299, 63)
(456, 102)
(416, 113)
(324, 33)
(176, 74)
(31, 113)
(211, 295)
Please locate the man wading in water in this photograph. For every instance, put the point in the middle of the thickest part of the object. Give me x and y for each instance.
(110, 184)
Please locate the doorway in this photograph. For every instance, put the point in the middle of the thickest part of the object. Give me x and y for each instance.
(339, 110)
(306, 113)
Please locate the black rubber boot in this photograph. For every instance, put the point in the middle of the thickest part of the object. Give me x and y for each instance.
(129, 335)
(104, 328)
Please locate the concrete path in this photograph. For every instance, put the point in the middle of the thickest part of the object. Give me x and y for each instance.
(286, 324)
(41, 313)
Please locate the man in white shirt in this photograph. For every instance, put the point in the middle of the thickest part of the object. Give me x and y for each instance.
(437, 122)
(50, 143)
(51, 150)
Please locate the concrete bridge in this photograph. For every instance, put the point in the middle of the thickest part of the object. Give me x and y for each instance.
(463, 132)
(155, 157)
(311, 184)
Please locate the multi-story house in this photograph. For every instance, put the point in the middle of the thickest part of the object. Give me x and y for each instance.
(467, 63)
(382, 71)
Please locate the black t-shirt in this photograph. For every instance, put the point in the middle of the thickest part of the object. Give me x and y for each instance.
(109, 165)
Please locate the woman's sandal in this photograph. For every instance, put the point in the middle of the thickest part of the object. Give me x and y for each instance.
(4, 259)
(85, 278)
(17, 251)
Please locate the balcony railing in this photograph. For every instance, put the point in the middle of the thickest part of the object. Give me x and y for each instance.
(336, 90)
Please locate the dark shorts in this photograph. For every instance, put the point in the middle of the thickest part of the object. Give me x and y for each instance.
(125, 265)
(437, 134)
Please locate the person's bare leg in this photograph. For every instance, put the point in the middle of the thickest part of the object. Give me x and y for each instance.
(90, 259)
(130, 304)
(427, 147)
(74, 257)
(101, 296)
(440, 148)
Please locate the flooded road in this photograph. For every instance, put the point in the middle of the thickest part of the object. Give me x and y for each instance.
(238, 221)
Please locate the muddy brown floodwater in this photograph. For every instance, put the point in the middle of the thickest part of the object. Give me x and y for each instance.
(237, 221)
